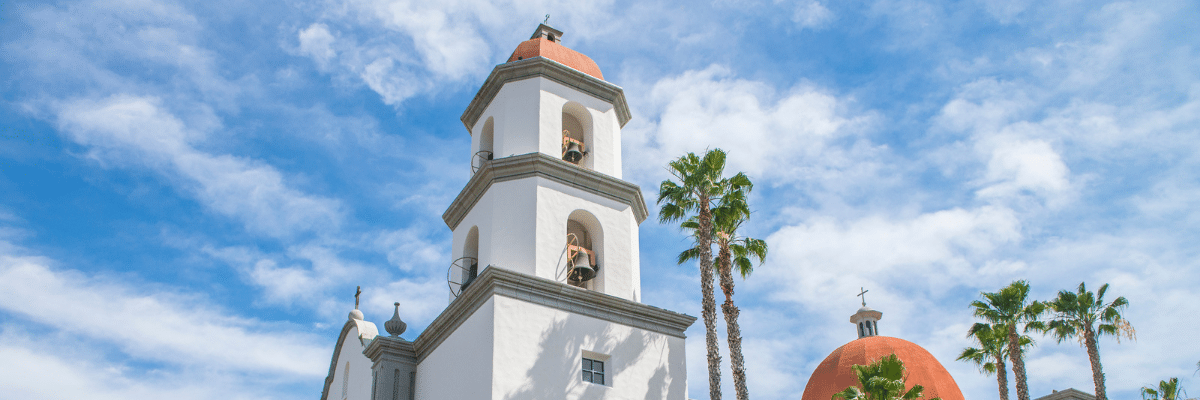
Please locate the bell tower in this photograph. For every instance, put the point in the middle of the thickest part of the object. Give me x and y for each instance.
(545, 279)
(546, 196)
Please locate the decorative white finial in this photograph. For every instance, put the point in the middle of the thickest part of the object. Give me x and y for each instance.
(395, 326)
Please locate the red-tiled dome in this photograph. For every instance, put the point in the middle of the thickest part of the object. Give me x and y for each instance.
(834, 374)
(542, 47)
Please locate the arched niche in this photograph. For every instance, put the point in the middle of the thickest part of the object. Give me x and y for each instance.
(470, 253)
(487, 135)
(586, 228)
(577, 126)
(485, 150)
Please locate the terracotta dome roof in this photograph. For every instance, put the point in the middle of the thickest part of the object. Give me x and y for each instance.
(542, 47)
(834, 374)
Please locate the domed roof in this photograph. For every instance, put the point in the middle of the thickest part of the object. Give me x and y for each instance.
(550, 49)
(834, 374)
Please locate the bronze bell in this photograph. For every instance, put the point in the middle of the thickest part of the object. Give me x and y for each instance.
(573, 153)
(582, 270)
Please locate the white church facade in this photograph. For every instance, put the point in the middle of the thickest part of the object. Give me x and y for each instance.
(545, 279)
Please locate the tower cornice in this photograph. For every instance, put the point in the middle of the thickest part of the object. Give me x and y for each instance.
(550, 69)
(545, 166)
(497, 281)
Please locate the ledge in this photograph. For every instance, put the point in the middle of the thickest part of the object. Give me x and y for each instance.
(550, 69)
(496, 281)
(393, 346)
(542, 165)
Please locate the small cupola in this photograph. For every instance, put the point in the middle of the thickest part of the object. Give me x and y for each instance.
(548, 32)
(866, 319)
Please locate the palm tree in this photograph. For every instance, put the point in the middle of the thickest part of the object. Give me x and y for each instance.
(1086, 317)
(733, 251)
(1010, 308)
(992, 351)
(1167, 390)
(700, 186)
(881, 380)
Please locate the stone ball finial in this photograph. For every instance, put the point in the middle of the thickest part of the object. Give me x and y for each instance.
(395, 326)
(355, 314)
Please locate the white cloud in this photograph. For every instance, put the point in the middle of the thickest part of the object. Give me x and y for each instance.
(1029, 165)
(160, 326)
(317, 42)
(408, 250)
(404, 48)
(812, 262)
(811, 14)
(802, 133)
(57, 367)
(137, 130)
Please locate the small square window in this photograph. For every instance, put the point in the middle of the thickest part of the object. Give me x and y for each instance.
(593, 371)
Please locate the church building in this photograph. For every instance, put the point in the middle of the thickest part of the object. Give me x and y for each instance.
(835, 374)
(545, 281)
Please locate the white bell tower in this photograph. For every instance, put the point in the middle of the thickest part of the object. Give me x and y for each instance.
(546, 196)
(545, 282)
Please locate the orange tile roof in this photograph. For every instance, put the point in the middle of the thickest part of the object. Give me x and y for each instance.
(542, 47)
(834, 374)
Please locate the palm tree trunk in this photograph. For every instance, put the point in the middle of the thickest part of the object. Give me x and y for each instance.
(1014, 354)
(708, 303)
(1002, 376)
(1089, 339)
(733, 331)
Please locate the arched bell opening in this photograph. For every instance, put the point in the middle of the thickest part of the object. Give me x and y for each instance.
(484, 154)
(576, 135)
(584, 250)
(465, 269)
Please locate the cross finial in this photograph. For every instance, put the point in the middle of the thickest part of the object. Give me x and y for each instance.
(547, 20)
(861, 294)
(357, 291)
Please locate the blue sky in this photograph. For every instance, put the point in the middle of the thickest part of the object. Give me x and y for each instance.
(190, 192)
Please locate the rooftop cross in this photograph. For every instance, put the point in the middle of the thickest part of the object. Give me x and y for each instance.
(357, 291)
(547, 20)
(861, 294)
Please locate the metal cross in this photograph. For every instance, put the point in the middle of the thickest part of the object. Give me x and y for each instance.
(864, 298)
(357, 291)
(547, 20)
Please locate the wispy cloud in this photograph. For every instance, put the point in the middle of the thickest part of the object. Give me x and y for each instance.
(152, 325)
(778, 135)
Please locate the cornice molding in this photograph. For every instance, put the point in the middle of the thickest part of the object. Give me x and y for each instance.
(497, 281)
(542, 165)
(550, 69)
(398, 349)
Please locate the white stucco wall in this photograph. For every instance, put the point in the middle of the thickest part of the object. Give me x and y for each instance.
(605, 145)
(522, 227)
(461, 366)
(539, 355)
(360, 369)
(505, 215)
(528, 118)
(619, 260)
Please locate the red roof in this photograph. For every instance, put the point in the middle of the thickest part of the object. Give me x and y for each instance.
(834, 374)
(542, 47)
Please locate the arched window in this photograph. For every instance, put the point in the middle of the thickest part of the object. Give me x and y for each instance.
(470, 257)
(585, 250)
(577, 135)
(346, 380)
(486, 143)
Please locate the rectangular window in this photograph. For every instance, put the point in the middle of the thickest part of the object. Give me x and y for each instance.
(593, 371)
